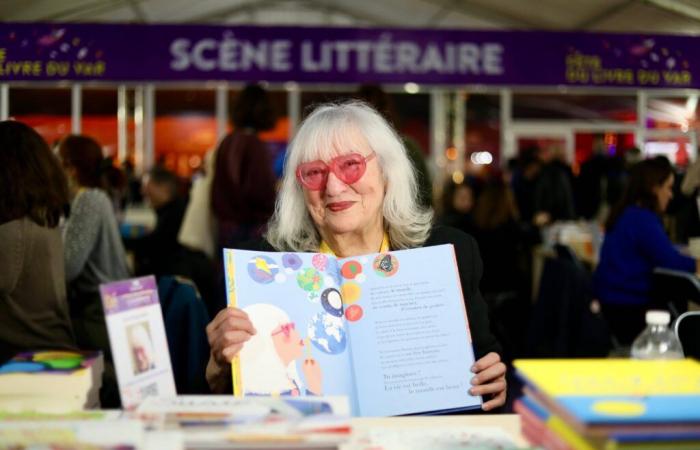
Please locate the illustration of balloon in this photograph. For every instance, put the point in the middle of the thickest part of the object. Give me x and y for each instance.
(310, 280)
(385, 265)
(327, 333)
(332, 302)
(319, 261)
(262, 269)
(351, 292)
(291, 261)
(354, 313)
(351, 269)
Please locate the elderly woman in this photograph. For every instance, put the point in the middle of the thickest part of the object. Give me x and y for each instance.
(349, 188)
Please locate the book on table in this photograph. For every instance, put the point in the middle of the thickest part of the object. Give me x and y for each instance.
(617, 401)
(51, 381)
(389, 330)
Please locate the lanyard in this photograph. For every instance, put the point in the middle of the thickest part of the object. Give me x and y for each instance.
(324, 248)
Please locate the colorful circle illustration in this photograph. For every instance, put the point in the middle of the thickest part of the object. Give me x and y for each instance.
(332, 302)
(310, 280)
(354, 313)
(351, 269)
(262, 269)
(319, 261)
(385, 265)
(291, 261)
(327, 334)
(351, 293)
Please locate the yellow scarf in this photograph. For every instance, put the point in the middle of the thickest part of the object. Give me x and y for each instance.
(325, 248)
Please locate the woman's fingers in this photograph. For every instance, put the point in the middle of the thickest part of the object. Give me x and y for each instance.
(227, 333)
(230, 352)
(486, 361)
(229, 315)
(494, 387)
(495, 402)
(227, 340)
(228, 325)
(489, 374)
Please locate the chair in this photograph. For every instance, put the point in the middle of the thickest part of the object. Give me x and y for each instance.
(185, 318)
(564, 322)
(673, 289)
(687, 328)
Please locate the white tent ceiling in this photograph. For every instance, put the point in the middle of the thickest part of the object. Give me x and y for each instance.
(636, 16)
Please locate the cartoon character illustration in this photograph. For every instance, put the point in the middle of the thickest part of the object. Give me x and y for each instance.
(269, 358)
(142, 352)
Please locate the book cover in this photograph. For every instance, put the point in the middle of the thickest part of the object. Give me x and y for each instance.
(617, 391)
(387, 329)
(137, 338)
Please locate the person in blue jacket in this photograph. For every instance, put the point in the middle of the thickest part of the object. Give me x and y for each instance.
(636, 243)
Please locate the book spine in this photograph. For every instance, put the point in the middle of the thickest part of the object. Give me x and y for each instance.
(230, 265)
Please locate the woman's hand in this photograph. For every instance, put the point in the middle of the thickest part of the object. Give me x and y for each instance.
(490, 378)
(312, 375)
(227, 333)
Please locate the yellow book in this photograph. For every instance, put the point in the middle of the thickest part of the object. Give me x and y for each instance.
(618, 391)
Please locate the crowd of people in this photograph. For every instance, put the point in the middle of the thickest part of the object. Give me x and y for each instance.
(352, 184)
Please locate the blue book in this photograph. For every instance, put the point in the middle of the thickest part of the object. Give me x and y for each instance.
(388, 330)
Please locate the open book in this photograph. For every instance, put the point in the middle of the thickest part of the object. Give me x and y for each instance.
(388, 330)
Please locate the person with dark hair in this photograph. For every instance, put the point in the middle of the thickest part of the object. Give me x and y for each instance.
(34, 191)
(94, 252)
(636, 243)
(157, 253)
(243, 190)
(458, 206)
(381, 101)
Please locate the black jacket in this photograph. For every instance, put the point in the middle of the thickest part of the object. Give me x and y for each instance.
(470, 270)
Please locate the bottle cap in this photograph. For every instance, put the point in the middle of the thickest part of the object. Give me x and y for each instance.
(658, 317)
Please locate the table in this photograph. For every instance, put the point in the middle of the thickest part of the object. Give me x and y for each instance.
(509, 423)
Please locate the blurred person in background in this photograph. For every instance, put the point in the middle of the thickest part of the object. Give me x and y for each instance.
(94, 252)
(505, 245)
(243, 189)
(458, 206)
(34, 310)
(502, 238)
(114, 182)
(161, 252)
(635, 243)
(554, 198)
(158, 252)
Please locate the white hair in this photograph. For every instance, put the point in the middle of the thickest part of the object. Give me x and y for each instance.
(328, 131)
(262, 369)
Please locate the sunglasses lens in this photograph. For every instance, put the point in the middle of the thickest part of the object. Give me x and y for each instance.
(350, 168)
(313, 174)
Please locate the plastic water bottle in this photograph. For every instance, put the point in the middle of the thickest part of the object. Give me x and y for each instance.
(657, 341)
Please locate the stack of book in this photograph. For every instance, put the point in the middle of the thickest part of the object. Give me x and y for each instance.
(225, 422)
(51, 382)
(610, 403)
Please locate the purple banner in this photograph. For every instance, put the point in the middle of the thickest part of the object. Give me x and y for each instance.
(129, 294)
(345, 55)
